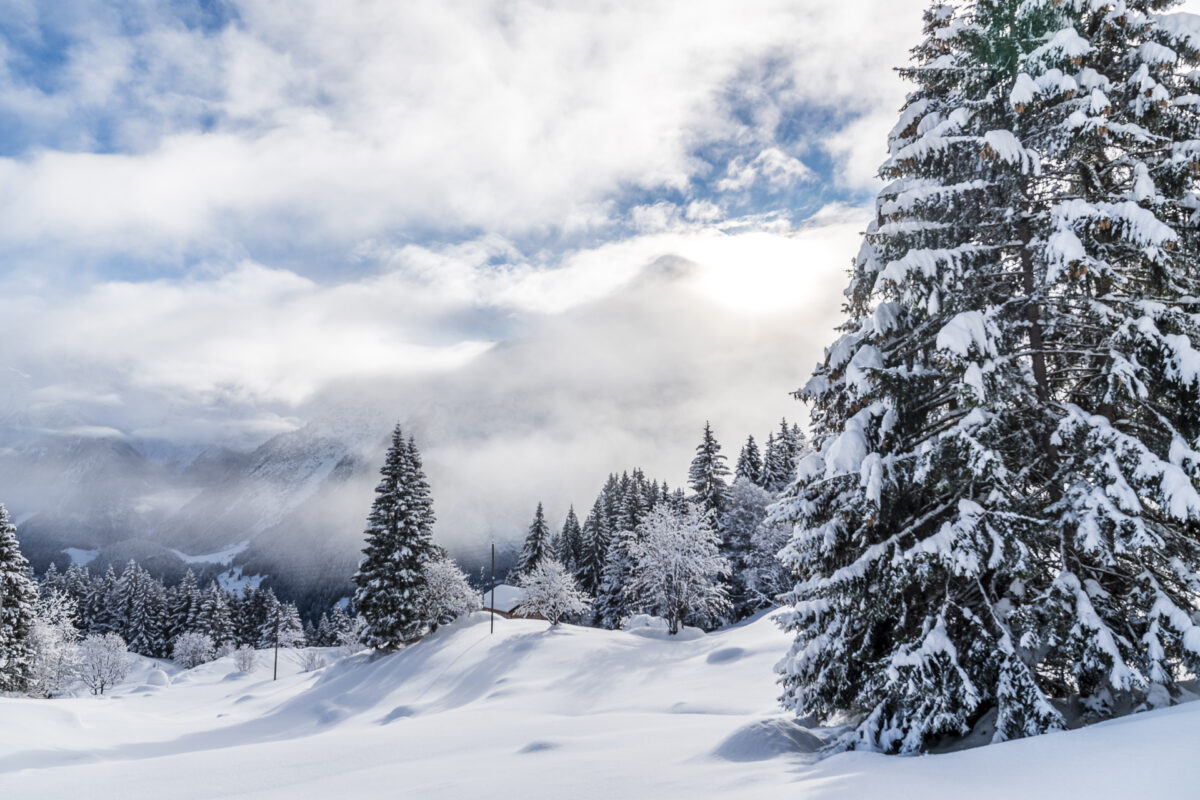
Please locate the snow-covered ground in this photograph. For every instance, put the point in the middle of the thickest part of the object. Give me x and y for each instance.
(534, 713)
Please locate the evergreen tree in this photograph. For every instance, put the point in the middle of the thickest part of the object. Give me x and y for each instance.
(537, 543)
(399, 543)
(748, 504)
(775, 474)
(76, 582)
(594, 552)
(18, 598)
(782, 459)
(101, 603)
(749, 463)
(140, 611)
(1003, 503)
(570, 542)
(612, 606)
(52, 581)
(800, 446)
(706, 478)
(291, 629)
(183, 602)
(251, 615)
(324, 635)
(215, 620)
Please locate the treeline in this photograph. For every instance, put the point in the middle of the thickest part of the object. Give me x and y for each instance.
(602, 552)
(150, 617)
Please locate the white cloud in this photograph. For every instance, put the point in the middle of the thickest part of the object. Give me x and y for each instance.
(341, 122)
(773, 165)
(253, 338)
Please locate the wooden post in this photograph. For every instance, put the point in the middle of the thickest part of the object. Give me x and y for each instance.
(276, 677)
(492, 621)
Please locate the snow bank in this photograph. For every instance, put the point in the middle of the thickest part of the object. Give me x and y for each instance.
(533, 713)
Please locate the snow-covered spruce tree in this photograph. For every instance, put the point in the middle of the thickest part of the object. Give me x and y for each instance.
(537, 543)
(1003, 505)
(100, 604)
(183, 606)
(215, 619)
(707, 474)
(141, 611)
(18, 596)
(550, 592)
(748, 504)
(570, 541)
(612, 601)
(775, 475)
(594, 552)
(677, 568)
(749, 463)
(399, 543)
(764, 578)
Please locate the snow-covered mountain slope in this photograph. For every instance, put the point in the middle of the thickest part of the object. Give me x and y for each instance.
(534, 713)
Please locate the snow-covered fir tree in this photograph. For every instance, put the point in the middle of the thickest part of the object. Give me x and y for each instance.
(677, 567)
(800, 445)
(1002, 506)
(749, 463)
(399, 544)
(612, 605)
(707, 475)
(100, 604)
(779, 468)
(537, 543)
(594, 551)
(253, 608)
(747, 509)
(18, 596)
(774, 472)
(549, 591)
(183, 606)
(291, 628)
(570, 542)
(215, 619)
(141, 611)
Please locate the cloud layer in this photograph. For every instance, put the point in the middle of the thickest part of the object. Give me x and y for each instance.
(558, 236)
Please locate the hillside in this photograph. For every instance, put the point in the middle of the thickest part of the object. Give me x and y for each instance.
(534, 713)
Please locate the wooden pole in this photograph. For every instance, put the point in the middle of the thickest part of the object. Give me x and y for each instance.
(492, 621)
(276, 677)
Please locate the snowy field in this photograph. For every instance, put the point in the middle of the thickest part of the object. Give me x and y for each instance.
(534, 713)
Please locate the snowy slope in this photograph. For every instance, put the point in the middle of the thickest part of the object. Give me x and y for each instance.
(535, 713)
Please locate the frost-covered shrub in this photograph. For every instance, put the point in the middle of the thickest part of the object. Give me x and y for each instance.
(52, 645)
(447, 594)
(550, 592)
(311, 660)
(103, 661)
(677, 567)
(349, 638)
(245, 657)
(192, 649)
